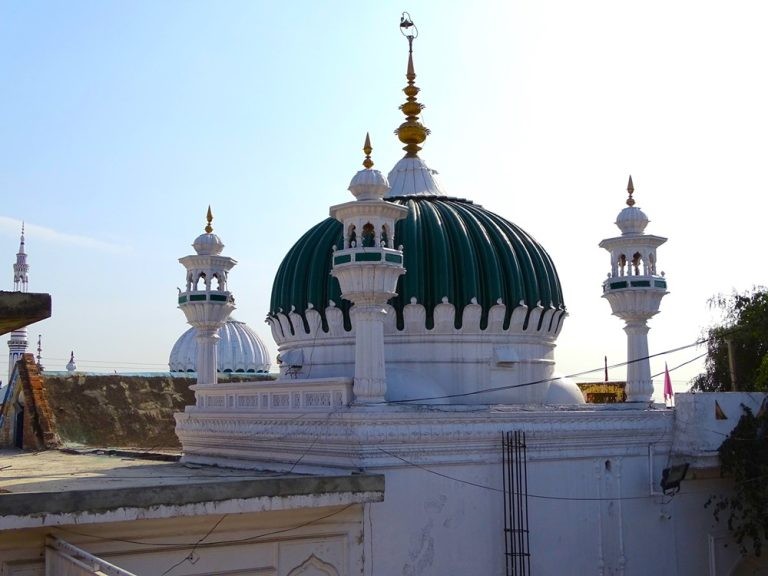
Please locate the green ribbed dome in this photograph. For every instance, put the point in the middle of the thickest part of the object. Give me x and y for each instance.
(452, 248)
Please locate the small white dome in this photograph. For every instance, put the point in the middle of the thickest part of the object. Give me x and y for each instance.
(412, 177)
(208, 245)
(631, 220)
(369, 185)
(240, 350)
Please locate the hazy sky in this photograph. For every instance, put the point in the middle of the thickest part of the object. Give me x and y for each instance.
(122, 121)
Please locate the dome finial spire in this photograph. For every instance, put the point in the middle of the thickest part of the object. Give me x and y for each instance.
(411, 132)
(367, 163)
(209, 217)
(631, 190)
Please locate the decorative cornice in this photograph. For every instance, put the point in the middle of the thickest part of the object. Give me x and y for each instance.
(358, 437)
(537, 322)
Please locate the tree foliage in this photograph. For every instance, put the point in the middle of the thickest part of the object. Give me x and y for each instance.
(745, 324)
(744, 456)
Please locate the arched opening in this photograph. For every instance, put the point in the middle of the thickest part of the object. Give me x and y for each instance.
(201, 277)
(18, 436)
(652, 263)
(369, 236)
(215, 282)
(352, 237)
(622, 264)
(385, 236)
(636, 262)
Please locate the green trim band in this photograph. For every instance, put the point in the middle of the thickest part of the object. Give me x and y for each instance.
(368, 257)
(219, 297)
(615, 285)
(640, 283)
(660, 283)
(396, 258)
(196, 297)
(182, 299)
(343, 259)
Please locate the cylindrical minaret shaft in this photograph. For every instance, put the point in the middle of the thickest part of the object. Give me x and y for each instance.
(639, 385)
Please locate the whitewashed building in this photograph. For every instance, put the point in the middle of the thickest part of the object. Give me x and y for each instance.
(418, 426)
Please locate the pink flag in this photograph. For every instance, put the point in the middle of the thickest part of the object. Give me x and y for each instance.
(668, 393)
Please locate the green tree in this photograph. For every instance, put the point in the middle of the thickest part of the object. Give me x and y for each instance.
(744, 457)
(745, 324)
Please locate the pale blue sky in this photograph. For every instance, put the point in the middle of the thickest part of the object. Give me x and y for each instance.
(122, 121)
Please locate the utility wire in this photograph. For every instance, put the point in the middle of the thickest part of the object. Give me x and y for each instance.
(543, 380)
(212, 543)
(191, 556)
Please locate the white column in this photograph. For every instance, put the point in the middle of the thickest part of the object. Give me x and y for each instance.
(207, 355)
(370, 378)
(639, 385)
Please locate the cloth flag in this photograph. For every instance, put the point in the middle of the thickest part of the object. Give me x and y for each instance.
(669, 395)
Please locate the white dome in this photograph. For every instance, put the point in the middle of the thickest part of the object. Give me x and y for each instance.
(208, 244)
(412, 177)
(369, 185)
(631, 220)
(240, 350)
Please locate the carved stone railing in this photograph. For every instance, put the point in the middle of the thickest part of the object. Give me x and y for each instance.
(317, 394)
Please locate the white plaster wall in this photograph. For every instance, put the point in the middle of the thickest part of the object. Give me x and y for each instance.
(430, 525)
(149, 547)
(437, 365)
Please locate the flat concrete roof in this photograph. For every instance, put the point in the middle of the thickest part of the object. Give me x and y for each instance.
(55, 487)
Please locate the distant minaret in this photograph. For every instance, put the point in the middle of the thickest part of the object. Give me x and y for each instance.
(206, 302)
(634, 290)
(17, 344)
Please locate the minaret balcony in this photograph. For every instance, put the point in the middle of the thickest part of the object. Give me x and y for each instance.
(368, 275)
(653, 282)
(367, 255)
(204, 296)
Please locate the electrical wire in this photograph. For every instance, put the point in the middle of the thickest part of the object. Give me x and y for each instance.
(206, 544)
(543, 380)
(191, 556)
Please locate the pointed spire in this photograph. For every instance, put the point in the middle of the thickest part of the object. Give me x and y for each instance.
(368, 163)
(20, 267)
(209, 217)
(411, 132)
(631, 190)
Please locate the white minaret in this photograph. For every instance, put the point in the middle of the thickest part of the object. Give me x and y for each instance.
(634, 290)
(17, 343)
(206, 302)
(367, 269)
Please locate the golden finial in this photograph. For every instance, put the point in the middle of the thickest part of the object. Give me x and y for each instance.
(411, 132)
(368, 163)
(209, 217)
(631, 190)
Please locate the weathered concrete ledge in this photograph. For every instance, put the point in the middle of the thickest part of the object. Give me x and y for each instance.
(210, 490)
(53, 489)
(19, 309)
